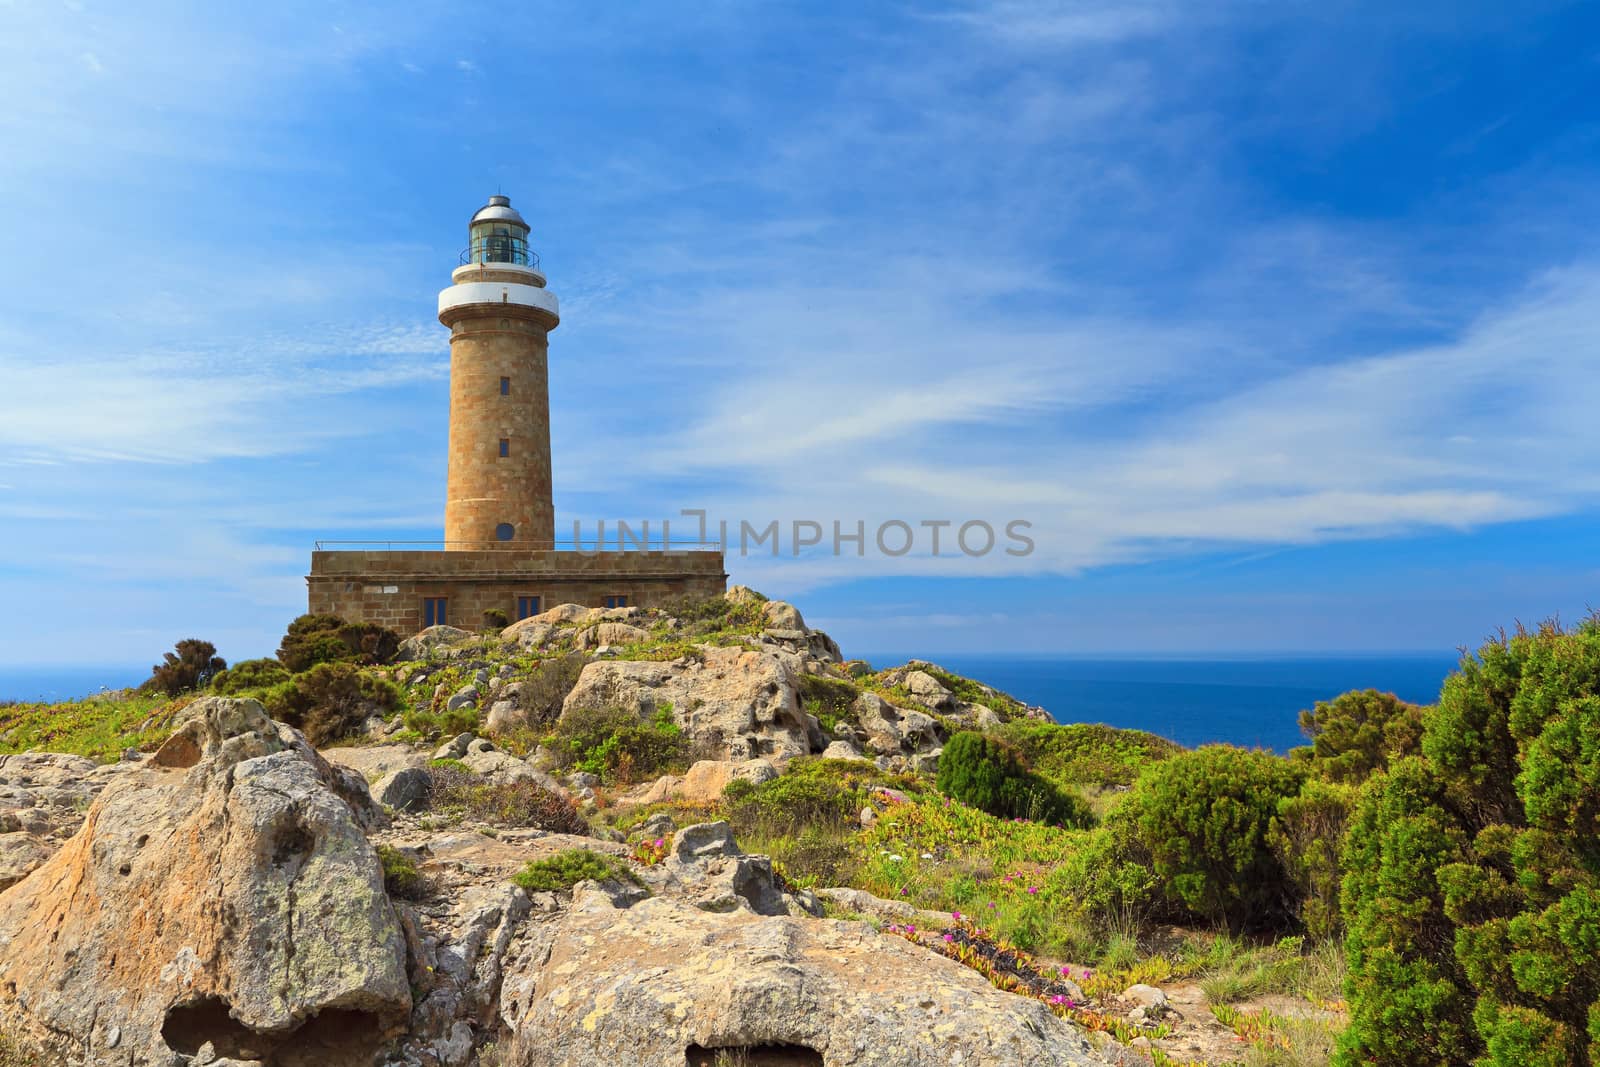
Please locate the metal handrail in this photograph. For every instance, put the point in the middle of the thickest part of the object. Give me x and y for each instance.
(652, 545)
(478, 252)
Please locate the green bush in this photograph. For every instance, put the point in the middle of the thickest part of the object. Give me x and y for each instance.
(1358, 733)
(618, 746)
(703, 616)
(331, 701)
(829, 699)
(1204, 818)
(249, 674)
(1472, 897)
(191, 665)
(314, 639)
(1307, 837)
(559, 873)
(400, 875)
(1088, 753)
(987, 773)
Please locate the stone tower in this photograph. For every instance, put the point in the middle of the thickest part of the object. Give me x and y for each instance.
(500, 315)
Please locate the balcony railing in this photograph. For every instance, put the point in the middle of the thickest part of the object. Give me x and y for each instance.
(492, 250)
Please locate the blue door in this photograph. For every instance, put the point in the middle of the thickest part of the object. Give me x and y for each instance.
(616, 601)
(433, 611)
(527, 606)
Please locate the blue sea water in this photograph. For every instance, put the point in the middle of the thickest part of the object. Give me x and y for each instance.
(65, 683)
(1249, 702)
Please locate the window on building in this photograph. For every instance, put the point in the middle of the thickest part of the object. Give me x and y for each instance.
(433, 611)
(616, 601)
(528, 606)
(505, 532)
(505, 447)
(505, 386)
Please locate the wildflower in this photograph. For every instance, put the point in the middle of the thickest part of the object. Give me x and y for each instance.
(949, 939)
(1033, 890)
(659, 842)
(1066, 972)
(991, 905)
(956, 915)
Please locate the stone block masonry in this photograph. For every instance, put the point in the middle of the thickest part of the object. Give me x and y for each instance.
(389, 587)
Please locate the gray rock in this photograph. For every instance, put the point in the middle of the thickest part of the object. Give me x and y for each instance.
(233, 867)
(841, 750)
(454, 748)
(404, 790)
(674, 975)
(465, 697)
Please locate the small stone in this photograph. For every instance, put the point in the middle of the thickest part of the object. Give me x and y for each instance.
(1147, 996)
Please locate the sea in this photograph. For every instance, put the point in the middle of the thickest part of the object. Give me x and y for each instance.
(1254, 702)
(1249, 701)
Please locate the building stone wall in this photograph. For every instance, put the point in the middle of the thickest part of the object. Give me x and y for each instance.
(487, 343)
(388, 587)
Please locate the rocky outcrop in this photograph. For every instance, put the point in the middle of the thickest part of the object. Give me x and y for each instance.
(433, 640)
(43, 799)
(736, 703)
(704, 782)
(222, 893)
(662, 981)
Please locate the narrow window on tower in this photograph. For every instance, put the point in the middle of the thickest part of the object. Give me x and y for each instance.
(505, 386)
(505, 447)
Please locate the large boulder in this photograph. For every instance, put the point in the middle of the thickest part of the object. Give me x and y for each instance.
(423, 645)
(221, 893)
(664, 982)
(888, 730)
(703, 783)
(734, 703)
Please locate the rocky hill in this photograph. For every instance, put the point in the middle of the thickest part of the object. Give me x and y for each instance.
(528, 847)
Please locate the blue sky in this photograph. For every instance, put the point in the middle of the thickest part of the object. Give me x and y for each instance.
(1279, 322)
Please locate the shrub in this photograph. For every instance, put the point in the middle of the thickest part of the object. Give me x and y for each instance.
(1204, 818)
(249, 674)
(559, 873)
(1472, 897)
(544, 690)
(456, 789)
(1359, 732)
(617, 745)
(314, 639)
(1086, 752)
(702, 616)
(829, 699)
(1307, 837)
(400, 876)
(331, 701)
(191, 665)
(495, 620)
(987, 773)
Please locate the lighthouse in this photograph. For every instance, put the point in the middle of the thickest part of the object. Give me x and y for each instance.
(500, 316)
(499, 561)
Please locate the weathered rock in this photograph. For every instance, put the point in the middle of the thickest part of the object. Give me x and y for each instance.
(891, 731)
(222, 892)
(610, 633)
(465, 697)
(928, 691)
(841, 750)
(704, 782)
(528, 633)
(455, 748)
(647, 984)
(782, 615)
(404, 789)
(376, 761)
(1146, 996)
(740, 703)
(559, 614)
(435, 638)
(504, 717)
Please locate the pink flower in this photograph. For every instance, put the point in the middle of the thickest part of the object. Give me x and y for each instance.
(949, 939)
(1033, 890)
(659, 843)
(991, 905)
(956, 915)
(1066, 972)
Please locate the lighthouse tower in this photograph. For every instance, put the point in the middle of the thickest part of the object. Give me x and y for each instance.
(500, 316)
